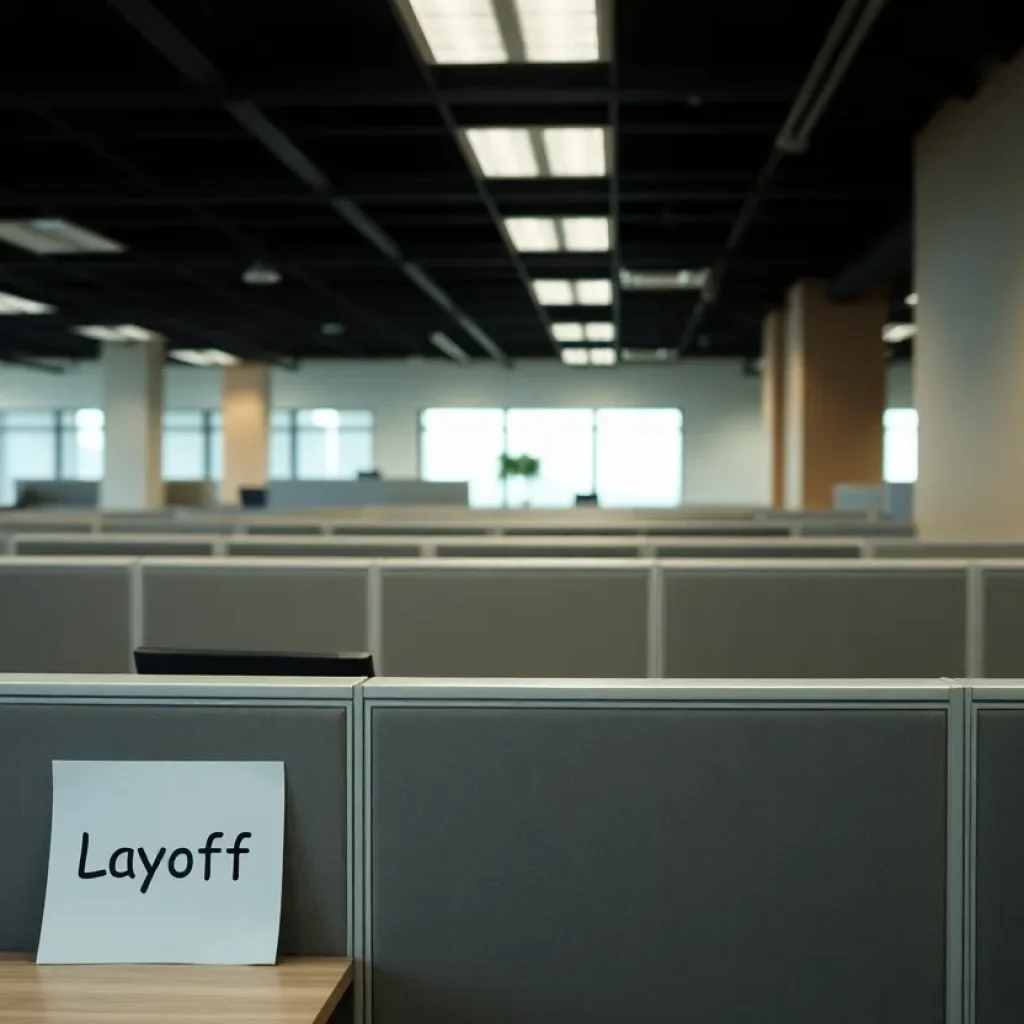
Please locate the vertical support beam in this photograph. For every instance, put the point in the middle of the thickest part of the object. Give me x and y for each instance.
(133, 384)
(773, 400)
(835, 393)
(969, 274)
(246, 408)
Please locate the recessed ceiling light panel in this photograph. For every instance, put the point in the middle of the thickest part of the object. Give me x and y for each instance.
(532, 234)
(16, 305)
(553, 292)
(503, 152)
(460, 31)
(586, 234)
(576, 152)
(126, 333)
(567, 332)
(55, 237)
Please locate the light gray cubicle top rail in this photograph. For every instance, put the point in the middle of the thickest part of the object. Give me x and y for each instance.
(307, 726)
(373, 546)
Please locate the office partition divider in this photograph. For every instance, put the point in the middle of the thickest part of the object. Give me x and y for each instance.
(601, 851)
(307, 725)
(994, 852)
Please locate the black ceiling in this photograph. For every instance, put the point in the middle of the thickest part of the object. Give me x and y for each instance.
(203, 135)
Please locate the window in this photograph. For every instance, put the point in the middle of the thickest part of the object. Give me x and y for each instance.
(899, 451)
(331, 444)
(639, 458)
(80, 444)
(628, 457)
(465, 444)
(185, 445)
(28, 450)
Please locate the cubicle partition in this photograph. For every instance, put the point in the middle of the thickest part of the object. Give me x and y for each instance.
(600, 852)
(308, 726)
(67, 616)
(995, 852)
(241, 604)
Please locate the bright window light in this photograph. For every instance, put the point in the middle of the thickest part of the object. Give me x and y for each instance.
(461, 31)
(603, 356)
(894, 333)
(15, 305)
(55, 237)
(594, 293)
(532, 234)
(503, 152)
(576, 152)
(586, 234)
(559, 31)
(599, 332)
(118, 332)
(575, 356)
(553, 293)
(203, 357)
(567, 332)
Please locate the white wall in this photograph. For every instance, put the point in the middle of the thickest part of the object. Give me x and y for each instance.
(725, 448)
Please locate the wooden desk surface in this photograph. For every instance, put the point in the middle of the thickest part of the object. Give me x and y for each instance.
(296, 991)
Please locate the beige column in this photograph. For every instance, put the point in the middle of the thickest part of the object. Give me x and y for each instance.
(773, 400)
(969, 351)
(834, 392)
(133, 382)
(246, 408)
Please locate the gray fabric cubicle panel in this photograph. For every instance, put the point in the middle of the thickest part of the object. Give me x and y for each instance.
(310, 741)
(327, 548)
(598, 866)
(97, 544)
(941, 549)
(796, 622)
(166, 525)
(524, 549)
(489, 621)
(998, 856)
(752, 549)
(65, 617)
(282, 529)
(1002, 636)
(269, 607)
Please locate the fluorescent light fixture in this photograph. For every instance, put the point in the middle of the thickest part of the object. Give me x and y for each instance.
(554, 293)
(586, 234)
(603, 356)
(576, 152)
(567, 332)
(559, 31)
(118, 332)
(663, 280)
(447, 347)
(585, 355)
(532, 234)
(594, 293)
(599, 332)
(503, 152)
(203, 357)
(15, 305)
(576, 356)
(260, 273)
(460, 31)
(911, 299)
(55, 237)
(894, 333)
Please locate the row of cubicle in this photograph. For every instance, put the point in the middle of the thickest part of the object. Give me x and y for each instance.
(561, 852)
(530, 618)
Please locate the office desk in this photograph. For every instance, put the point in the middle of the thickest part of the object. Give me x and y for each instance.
(296, 991)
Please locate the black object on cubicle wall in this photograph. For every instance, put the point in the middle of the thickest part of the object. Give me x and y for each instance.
(160, 661)
(253, 497)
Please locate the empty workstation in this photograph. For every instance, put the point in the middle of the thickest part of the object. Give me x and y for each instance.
(505, 519)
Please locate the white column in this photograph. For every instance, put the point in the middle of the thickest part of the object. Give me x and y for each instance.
(246, 407)
(969, 351)
(133, 382)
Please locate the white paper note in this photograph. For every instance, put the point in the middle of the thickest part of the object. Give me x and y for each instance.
(212, 896)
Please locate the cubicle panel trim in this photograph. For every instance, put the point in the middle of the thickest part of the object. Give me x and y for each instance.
(310, 564)
(818, 564)
(655, 623)
(515, 562)
(946, 696)
(876, 693)
(974, 646)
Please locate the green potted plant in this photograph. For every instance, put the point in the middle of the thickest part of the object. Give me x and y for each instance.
(525, 467)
